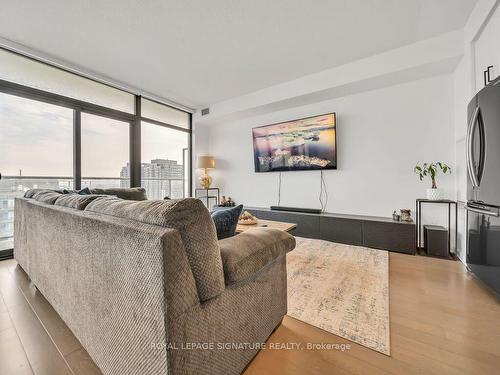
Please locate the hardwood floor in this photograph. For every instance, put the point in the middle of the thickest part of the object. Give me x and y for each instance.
(33, 338)
(442, 322)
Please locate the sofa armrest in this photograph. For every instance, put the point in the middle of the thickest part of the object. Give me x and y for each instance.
(245, 254)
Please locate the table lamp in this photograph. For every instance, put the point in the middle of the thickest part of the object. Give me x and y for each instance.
(205, 162)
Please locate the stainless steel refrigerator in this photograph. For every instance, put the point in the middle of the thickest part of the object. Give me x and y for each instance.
(483, 185)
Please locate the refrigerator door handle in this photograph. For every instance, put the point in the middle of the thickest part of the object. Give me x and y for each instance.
(483, 208)
(476, 119)
(482, 147)
(468, 153)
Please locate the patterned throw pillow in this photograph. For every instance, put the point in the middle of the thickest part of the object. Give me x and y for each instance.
(84, 191)
(226, 220)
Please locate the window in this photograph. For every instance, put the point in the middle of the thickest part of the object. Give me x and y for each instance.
(28, 72)
(164, 113)
(82, 137)
(105, 152)
(36, 151)
(164, 159)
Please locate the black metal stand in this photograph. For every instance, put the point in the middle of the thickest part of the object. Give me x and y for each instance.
(207, 195)
(419, 226)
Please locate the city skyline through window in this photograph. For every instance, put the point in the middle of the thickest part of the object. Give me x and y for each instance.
(164, 175)
(36, 139)
(36, 145)
(60, 131)
(105, 149)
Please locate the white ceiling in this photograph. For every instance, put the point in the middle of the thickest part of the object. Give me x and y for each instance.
(198, 52)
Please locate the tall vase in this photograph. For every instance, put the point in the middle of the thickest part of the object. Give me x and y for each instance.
(205, 180)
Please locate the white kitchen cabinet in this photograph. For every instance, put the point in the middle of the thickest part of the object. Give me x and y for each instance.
(487, 50)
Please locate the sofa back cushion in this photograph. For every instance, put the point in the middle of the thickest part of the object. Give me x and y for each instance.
(77, 201)
(47, 196)
(131, 194)
(191, 218)
(31, 192)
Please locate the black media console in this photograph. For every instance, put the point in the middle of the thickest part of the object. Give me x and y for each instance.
(376, 232)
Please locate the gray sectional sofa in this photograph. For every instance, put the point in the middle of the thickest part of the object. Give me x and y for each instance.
(145, 285)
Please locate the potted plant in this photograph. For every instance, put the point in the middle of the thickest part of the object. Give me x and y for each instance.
(431, 169)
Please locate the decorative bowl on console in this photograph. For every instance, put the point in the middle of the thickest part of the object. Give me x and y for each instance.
(247, 218)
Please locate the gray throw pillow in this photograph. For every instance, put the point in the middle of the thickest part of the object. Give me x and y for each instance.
(226, 220)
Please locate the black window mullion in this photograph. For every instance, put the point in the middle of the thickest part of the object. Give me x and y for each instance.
(135, 146)
(164, 124)
(190, 153)
(27, 92)
(77, 149)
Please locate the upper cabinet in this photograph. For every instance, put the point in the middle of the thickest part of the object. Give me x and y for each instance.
(487, 50)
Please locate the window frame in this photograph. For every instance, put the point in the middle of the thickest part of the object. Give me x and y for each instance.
(185, 158)
(79, 106)
(134, 120)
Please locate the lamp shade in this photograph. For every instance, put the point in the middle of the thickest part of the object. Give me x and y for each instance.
(205, 162)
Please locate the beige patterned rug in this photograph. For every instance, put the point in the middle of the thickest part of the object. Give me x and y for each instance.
(342, 289)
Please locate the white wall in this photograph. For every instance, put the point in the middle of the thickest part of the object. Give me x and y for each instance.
(381, 135)
(487, 47)
(427, 58)
(461, 97)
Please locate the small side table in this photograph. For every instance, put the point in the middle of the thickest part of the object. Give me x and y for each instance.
(208, 194)
(419, 226)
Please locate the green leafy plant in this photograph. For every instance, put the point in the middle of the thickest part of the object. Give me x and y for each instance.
(431, 169)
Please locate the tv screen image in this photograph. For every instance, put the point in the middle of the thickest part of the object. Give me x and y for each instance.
(304, 144)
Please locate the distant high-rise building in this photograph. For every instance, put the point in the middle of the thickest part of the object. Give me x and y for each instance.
(160, 178)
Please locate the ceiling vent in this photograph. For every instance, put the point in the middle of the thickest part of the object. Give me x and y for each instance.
(205, 111)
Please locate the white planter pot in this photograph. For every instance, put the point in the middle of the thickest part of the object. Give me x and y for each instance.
(434, 194)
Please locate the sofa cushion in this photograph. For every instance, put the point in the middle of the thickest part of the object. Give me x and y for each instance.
(47, 196)
(245, 254)
(77, 201)
(131, 194)
(31, 192)
(191, 218)
(226, 220)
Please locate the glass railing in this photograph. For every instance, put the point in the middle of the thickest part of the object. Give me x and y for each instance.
(160, 188)
(15, 186)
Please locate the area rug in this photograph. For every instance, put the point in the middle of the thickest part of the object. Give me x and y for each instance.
(342, 289)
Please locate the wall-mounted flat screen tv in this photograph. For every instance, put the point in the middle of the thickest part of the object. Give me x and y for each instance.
(297, 145)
